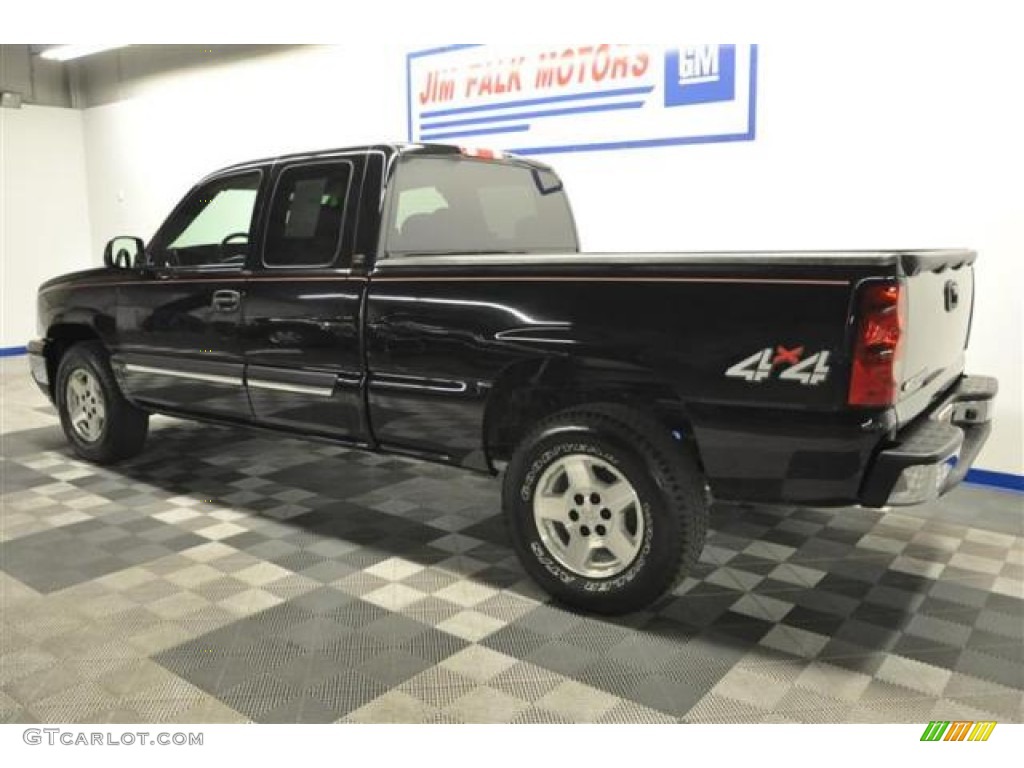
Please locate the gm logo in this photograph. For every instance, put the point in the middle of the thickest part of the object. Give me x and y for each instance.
(700, 74)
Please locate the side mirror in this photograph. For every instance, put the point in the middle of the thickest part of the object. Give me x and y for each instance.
(123, 252)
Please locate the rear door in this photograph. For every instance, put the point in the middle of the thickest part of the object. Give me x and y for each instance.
(178, 326)
(302, 346)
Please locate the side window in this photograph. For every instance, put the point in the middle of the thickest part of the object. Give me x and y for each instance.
(213, 227)
(307, 215)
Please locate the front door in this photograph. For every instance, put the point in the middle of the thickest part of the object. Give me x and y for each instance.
(179, 346)
(301, 329)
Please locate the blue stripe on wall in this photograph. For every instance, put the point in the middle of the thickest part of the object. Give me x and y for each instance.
(531, 115)
(12, 351)
(476, 132)
(1003, 480)
(536, 102)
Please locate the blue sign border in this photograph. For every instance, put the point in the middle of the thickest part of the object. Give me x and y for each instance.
(749, 135)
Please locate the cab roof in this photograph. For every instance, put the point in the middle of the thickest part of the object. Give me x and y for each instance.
(391, 151)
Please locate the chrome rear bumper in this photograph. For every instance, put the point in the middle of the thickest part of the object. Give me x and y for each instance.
(933, 454)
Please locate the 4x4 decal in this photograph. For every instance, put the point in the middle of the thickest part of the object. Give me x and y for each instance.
(792, 366)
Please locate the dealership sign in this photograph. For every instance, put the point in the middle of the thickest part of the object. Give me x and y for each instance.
(536, 98)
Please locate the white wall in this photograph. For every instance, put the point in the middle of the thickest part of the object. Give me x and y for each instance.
(909, 149)
(145, 153)
(44, 211)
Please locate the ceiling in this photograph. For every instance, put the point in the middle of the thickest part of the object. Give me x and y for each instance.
(108, 76)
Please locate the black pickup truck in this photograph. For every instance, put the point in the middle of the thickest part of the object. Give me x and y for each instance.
(431, 301)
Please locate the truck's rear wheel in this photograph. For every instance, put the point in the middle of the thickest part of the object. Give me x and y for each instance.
(606, 511)
(101, 425)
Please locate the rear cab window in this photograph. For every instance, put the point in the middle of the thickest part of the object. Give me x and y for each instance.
(459, 205)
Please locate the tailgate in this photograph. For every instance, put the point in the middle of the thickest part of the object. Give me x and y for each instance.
(940, 299)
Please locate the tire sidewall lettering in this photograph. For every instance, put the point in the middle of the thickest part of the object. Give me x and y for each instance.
(535, 546)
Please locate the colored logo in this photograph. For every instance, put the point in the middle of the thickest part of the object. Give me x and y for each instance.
(700, 74)
(789, 362)
(958, 730)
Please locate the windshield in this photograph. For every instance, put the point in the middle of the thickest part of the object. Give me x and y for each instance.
(456, 205)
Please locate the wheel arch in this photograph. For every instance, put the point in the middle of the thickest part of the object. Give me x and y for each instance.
(61, 336)
(532, 390)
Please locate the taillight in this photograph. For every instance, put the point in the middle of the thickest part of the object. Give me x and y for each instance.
(877, 350)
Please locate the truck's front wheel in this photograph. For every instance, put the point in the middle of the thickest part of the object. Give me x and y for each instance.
(98, 421)
(605, 509)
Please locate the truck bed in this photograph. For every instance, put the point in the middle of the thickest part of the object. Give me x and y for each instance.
(696, 322)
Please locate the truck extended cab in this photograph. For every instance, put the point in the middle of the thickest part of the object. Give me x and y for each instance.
(431, 301)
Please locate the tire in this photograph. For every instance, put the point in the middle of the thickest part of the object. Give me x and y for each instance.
(632, 555)
(101, 425)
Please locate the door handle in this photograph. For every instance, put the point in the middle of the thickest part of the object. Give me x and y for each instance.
(226, 301)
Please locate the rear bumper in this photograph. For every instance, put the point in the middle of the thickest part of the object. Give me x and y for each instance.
(37, 365)
(932, 455)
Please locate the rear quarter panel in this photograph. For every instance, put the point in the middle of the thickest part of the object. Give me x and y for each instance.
(690, 330)
(441, 337)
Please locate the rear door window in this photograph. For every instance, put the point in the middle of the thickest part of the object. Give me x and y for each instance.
(307, 215)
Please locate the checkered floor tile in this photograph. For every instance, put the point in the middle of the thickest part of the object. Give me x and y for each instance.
(226, 577)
